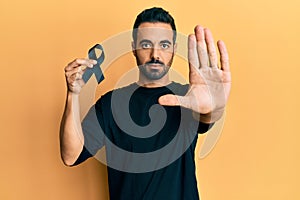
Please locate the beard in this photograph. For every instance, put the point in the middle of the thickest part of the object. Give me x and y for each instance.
(156, 73)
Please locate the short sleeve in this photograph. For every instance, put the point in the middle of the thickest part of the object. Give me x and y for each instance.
(85, 154)
(203, 127)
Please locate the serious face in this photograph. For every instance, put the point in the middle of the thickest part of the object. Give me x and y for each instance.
(154, 49)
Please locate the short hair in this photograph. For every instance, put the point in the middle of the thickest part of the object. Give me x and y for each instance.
(154, 14)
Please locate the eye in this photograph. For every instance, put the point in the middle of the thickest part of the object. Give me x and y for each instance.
(146, 45)
(165, 45)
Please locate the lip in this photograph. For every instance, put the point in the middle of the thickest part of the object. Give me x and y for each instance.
(154, 65)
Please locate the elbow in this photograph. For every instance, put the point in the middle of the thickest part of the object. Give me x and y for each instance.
(68, 162)
(69, 154)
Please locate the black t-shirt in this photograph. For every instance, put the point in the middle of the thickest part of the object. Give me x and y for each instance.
(149, 148)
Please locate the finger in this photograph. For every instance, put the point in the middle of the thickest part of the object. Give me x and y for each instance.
(201, 46)
(224, 58)
(73, 64)
(79, 62)
(212, 52)
(192, 53)
(174, 100)
(76, 75)
(79, 69)
(169, 100)
(72, 78)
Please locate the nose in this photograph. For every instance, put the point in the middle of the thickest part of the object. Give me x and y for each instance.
(155, 53)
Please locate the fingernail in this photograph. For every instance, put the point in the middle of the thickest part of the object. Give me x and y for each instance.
(94, 62)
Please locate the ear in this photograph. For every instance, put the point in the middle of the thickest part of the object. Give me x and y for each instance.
(175, 47)
(133, 48)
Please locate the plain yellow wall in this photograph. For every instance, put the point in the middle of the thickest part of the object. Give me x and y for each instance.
(257, 156)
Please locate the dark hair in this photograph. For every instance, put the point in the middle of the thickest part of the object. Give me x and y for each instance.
(154, 14)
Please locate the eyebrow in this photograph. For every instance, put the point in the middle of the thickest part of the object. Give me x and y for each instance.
(165, 41)
(147, 41)
(161, 42)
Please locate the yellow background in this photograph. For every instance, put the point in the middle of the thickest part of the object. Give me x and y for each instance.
(257, 156)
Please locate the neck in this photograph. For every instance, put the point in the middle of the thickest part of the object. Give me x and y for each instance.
(144, 82)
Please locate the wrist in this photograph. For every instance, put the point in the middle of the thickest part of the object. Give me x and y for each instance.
(72, 98)
(71, 94)
(209, 118)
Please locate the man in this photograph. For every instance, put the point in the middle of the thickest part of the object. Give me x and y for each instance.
(130, 119)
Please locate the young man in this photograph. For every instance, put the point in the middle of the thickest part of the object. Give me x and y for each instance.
(150, 128)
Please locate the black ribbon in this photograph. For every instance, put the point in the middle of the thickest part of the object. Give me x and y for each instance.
(96, 69)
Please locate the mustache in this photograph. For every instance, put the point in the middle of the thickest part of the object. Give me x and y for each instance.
(154, 61)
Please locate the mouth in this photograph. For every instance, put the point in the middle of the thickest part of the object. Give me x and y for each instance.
(154, 65)
(154, 68)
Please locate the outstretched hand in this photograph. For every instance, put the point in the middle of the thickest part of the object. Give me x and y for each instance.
(209, 85)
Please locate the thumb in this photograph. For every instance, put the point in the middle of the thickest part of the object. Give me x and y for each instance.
(169, 100)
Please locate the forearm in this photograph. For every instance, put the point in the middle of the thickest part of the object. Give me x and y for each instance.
(71, 136)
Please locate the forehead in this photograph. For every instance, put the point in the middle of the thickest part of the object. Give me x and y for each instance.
(154, 31)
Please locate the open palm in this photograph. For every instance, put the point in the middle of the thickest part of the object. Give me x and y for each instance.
(209, 84)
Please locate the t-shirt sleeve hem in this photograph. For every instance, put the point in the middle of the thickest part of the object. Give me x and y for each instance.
(203, 127)
(84, 155)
